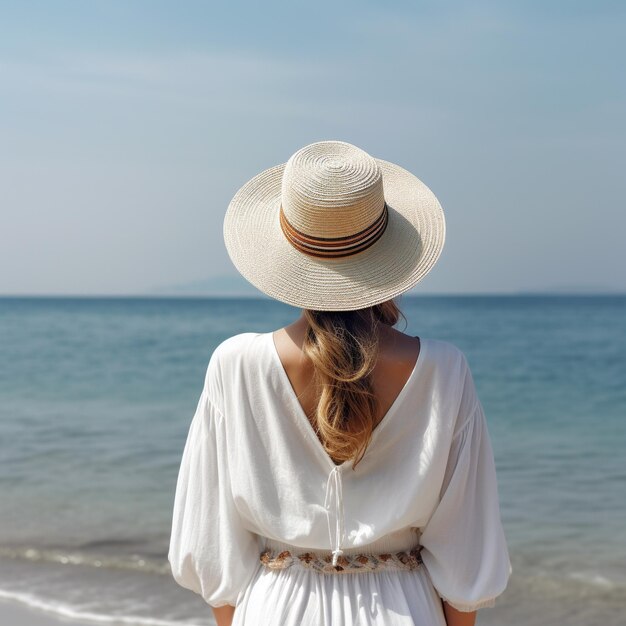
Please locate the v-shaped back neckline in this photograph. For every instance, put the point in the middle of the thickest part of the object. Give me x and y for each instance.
(304, 422)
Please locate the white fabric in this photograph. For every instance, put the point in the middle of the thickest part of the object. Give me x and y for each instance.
(334, 485)
(253, 474)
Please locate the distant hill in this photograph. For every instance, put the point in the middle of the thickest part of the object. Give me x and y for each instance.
(223, 285)
(573, 290)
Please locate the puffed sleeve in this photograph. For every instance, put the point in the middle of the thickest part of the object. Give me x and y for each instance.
(464, 546)
(210, 550)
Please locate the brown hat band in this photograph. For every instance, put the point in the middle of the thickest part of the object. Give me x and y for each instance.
(335, 247)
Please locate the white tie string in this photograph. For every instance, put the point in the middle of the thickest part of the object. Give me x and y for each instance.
(334, 485)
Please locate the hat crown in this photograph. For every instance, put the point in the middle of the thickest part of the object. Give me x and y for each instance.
(332, 189)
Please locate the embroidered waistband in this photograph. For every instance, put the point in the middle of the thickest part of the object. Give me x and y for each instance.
(405, 560)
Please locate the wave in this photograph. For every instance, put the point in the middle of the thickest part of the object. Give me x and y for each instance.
(595, 580)
(588, 584)
(64, 556)
(65, 610)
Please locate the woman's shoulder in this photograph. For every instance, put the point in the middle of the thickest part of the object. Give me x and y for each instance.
(444, 365)
(236, 348)
(444, 354)
(236, 343)
(229, 356)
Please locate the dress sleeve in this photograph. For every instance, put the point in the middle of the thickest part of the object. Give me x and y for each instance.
(210, 550)
(464, 546)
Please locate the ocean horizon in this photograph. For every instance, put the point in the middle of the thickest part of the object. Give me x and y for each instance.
(97, 394)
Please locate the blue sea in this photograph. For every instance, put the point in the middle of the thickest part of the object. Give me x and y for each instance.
(97, 394)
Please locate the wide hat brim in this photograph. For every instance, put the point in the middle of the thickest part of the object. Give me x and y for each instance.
(404, 254)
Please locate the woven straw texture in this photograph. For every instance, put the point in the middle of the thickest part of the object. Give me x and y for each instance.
(329, 190)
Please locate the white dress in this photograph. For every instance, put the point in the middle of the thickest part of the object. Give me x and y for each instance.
(254, 475)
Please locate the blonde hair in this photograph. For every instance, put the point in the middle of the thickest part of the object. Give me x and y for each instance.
(343, 346)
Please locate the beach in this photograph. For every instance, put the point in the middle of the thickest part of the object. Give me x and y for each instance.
(96, 398)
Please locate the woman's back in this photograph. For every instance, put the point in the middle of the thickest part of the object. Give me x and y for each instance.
(257, 481)
(397, 356)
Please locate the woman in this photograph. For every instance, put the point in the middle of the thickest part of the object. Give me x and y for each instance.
(337, 471)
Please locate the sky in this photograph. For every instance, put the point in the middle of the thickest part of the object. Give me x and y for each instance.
(127, 127)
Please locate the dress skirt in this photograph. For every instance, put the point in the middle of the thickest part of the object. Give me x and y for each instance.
(303, 596)
(300, 597)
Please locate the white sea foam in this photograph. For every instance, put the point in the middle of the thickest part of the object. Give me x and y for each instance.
(593, 578)
(65, 610)
(136, 562)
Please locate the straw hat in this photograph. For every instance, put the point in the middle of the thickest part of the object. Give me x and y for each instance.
(334, 229)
